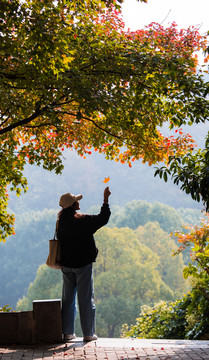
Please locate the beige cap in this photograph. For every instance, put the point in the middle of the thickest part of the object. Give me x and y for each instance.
(69, 199)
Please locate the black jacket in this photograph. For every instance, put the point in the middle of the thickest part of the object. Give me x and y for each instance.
(75, 232)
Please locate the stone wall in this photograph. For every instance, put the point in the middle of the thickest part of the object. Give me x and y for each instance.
(42, 325)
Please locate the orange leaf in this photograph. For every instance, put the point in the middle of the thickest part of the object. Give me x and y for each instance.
(106, 180)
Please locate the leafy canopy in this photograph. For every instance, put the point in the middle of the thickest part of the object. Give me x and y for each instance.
(71, 76)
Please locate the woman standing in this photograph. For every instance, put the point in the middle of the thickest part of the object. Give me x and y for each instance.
(75, 232)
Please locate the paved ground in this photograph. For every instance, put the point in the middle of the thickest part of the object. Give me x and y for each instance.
(112, 349)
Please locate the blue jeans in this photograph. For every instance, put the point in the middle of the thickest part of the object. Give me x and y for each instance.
(78, 281)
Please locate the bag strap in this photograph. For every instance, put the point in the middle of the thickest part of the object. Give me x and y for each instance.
(56, 229)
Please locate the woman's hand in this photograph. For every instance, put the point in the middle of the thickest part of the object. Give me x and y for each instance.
(107, 193)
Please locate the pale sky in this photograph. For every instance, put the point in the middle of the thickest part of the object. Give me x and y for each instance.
(184, 12)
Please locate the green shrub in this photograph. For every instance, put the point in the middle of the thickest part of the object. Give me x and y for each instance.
(5, 308)
(164, 320)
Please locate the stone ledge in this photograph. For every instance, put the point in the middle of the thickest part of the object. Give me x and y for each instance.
(42, 325)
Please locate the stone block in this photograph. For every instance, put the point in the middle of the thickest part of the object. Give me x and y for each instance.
(8, 328)
(25, 328)
(47, 321)
(42, 325)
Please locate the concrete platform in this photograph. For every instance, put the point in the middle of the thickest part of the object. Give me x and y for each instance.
(112, 349)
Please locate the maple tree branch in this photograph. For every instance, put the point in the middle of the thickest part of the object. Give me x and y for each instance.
(27, 120)
(63, 103)
(124, 141)
(39, 111)
(113, 72)
(40, 125)
(101, 128)
(12, 76)
(205, 268)
(95, 124)
(72, 114)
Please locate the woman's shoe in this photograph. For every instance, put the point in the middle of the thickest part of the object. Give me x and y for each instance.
(90, 338)
(68, 337)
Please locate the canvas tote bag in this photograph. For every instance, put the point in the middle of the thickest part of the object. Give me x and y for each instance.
(54, 257)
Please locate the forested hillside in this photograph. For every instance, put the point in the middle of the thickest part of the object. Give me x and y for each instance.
(22, 254)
